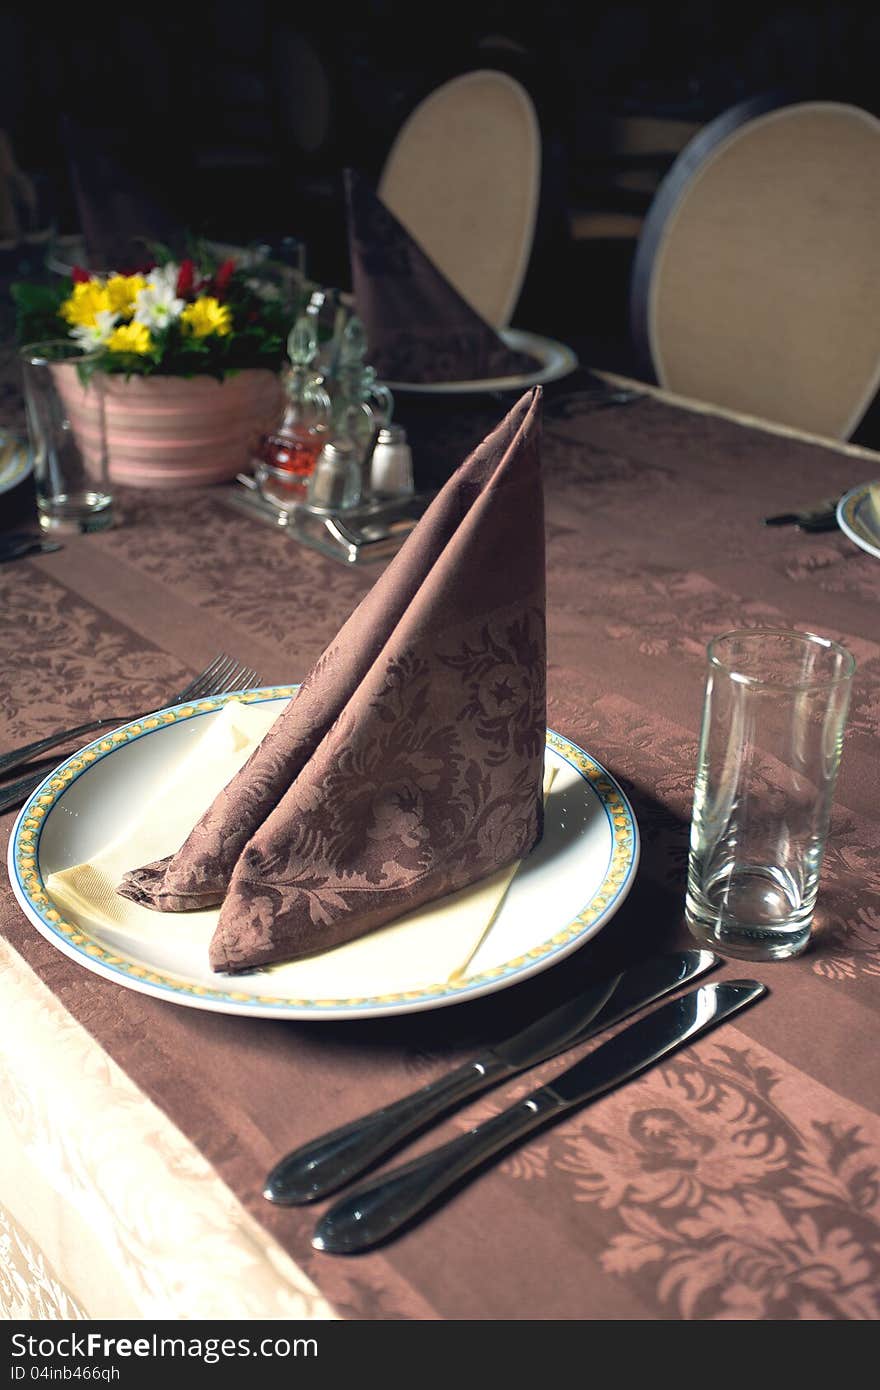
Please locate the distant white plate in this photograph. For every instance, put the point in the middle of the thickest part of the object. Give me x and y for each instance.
(856, 517)
(555, 360)
(16, 461)
(567, 889)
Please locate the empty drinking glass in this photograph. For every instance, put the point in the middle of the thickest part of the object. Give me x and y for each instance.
(64, 400)
(774, 712)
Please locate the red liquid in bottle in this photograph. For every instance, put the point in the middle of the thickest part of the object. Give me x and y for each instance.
(294, 456)
(293, 461)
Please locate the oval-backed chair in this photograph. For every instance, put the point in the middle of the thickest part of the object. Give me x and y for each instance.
(463, 175)
(756, 281)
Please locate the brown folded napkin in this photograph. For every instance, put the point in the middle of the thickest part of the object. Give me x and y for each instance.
(419, 328)
(410, 762)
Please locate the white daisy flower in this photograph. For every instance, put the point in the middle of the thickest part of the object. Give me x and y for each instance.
(157, 304)
(92, 335)
(163, 277)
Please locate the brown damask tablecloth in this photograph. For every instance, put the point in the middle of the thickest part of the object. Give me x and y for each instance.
(738, 1180)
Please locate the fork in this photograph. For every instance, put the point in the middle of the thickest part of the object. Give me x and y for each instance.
(219, 678)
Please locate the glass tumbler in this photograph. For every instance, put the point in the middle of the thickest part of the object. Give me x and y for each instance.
(774, 712)
(64, 402)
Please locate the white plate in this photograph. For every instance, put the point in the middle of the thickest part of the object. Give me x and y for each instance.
(566, 890)
(555, 361)
(855, 517)
(16, 461)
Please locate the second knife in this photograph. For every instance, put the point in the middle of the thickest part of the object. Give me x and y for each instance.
(370, 1215)
(327, 1163)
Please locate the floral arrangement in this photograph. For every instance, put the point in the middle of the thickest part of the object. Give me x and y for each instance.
(174, 318)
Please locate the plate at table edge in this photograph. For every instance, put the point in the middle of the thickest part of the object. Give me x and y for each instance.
(852, 522)
(555, 358)
(20, 463)
(29, 888)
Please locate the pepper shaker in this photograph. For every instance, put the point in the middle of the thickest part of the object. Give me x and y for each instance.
(391, 471)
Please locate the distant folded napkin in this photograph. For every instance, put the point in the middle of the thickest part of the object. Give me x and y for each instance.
(410, 763)
(418, 327)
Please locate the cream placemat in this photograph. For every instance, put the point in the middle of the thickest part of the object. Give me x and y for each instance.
(108, 1210)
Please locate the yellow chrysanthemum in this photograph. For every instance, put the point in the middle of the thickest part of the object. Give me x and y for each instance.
(122, 291)
(130, 337)
(89, 298)
(207, 315)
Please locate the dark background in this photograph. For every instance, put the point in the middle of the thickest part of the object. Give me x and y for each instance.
(210, 104)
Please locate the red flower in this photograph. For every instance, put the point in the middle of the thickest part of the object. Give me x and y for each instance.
(223, 276)
(185, 279)
(80, 276)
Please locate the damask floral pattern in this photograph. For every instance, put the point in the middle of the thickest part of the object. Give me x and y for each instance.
(662, 612)
(567, 462)
(835, 565)
(852, 943)
(661, 755)
(30, 1289)
(430, 786)
(292, 601)
(714, 1196)
(692, 1169)
(72, 662)
(740, 1180)
(503, 675)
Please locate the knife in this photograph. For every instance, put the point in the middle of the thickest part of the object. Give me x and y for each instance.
(821, 517)
(15, 545)
(327, 1163)
(369, 1215)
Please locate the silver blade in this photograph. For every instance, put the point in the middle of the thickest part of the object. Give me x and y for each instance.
(601, 1006)
(651, 1038)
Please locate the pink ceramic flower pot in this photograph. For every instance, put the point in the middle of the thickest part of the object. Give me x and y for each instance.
(167, 431)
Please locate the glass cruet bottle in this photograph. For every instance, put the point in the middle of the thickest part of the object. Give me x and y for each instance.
(293, 448)
(360, 404)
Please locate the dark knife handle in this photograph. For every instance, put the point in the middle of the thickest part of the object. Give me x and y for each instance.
(16, 544)
(16, 793)
(18, 550)
(327, 1163)
(817, 524)
(366, 1218)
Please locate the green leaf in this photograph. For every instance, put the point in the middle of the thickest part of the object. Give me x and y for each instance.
(259, 333)
(36, 310)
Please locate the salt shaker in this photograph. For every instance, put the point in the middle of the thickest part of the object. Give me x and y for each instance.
(335, 484)
(391, 472)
